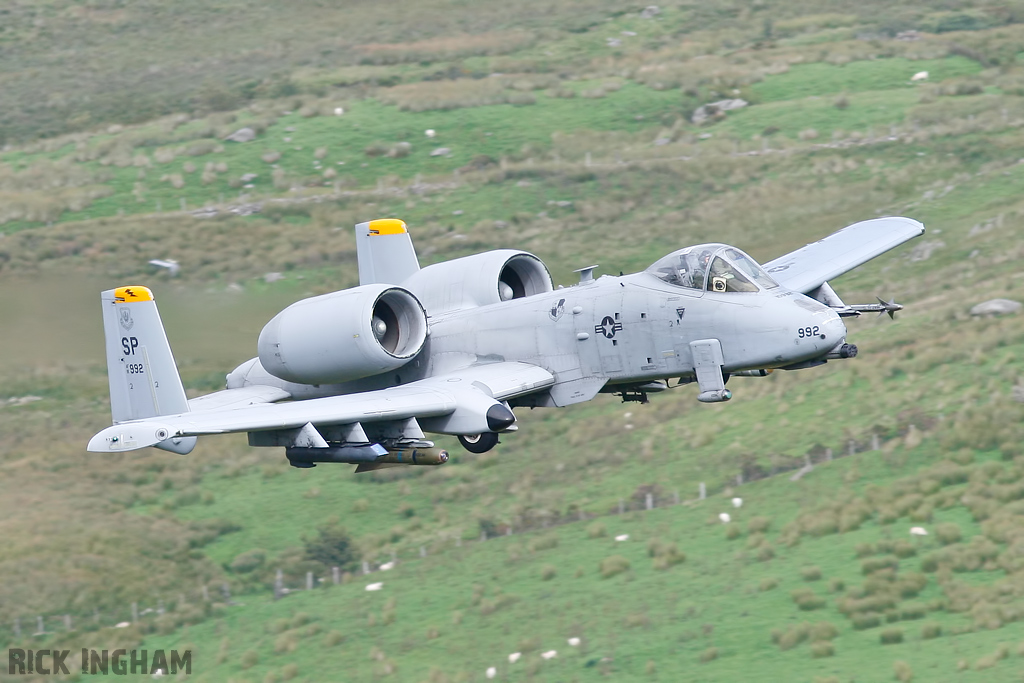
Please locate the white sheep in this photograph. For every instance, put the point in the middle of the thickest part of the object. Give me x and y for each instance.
(375, 586)
(514, 657)
(725, 517)
(918, 531)
(550, 654)
(919, 76)
(575, 642)
(387, 565)
(622, 537)
(737, 502)
(491, 672)
(338, 111)
(430, 132)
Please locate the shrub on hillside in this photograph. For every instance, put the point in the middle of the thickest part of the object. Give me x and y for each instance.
(948, 533)
(891, 636)
(903, 672)
(810, 573)
(332, 547)
(708, 655)
(250, 659)
(866, 620)
(546, 542)
(597, 530)
(823, 648)
(758, 525)
(874, 564)
(248, 561)
(823, 630)
(612, 566)
(931, 630)
(806, 599)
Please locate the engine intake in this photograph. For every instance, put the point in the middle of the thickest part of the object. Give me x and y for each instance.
(480, 280)
(344, 336)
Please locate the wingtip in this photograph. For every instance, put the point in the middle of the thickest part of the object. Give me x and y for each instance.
(129, 437)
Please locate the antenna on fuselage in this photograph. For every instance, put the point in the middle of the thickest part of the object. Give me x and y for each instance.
(586, 274)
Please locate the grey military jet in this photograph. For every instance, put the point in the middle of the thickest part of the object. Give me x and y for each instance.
(360, 376)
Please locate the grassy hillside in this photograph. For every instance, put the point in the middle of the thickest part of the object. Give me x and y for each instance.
(569, 133)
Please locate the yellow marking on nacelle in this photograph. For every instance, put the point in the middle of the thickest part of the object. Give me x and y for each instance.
(132, 293)
(387, 226)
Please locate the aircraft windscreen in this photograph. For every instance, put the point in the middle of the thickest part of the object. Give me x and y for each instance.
(717, 267)
(750, 268)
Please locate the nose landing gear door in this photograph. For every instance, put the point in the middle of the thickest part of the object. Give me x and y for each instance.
(708, 362)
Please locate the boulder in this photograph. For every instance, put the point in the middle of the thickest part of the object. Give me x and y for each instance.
(996, 307)
(708, 110)
(242, 135)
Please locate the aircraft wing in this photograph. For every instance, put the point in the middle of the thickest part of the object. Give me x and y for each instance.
(465, 398)
(237, 398)
(809, 267)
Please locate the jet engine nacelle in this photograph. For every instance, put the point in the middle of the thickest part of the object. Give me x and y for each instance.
(344, 336)
(479, 280)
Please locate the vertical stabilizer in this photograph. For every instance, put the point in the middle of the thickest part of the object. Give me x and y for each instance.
(143, 377)
(385, 252)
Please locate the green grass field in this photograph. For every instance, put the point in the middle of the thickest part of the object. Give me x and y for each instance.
(569, 134)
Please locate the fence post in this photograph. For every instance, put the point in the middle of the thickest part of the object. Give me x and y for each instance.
(828, 454)
(160, 607)
(206, 593)
(874, 442)
(366, 567)
(309, 581)
(17, 627)
(278, 585)
(226, 590)
(675, 497)
(423, 551)
(135, 612)
(39, 625)
(703, 491)
(650, 501)
(335, 575)
(67, 622)
(622, 506)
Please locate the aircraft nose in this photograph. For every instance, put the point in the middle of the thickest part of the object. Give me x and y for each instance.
(834, 330)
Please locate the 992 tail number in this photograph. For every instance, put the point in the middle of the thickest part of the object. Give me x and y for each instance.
(807, 332)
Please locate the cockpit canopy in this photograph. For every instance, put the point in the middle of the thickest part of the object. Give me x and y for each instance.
(714, 267)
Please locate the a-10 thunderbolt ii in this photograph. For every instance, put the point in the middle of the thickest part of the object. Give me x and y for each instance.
(360, 376)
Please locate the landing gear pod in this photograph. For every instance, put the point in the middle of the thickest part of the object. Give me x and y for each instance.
(344, 336)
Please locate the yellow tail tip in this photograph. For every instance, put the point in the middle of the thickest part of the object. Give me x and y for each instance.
(387, 226)
(132, 293)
